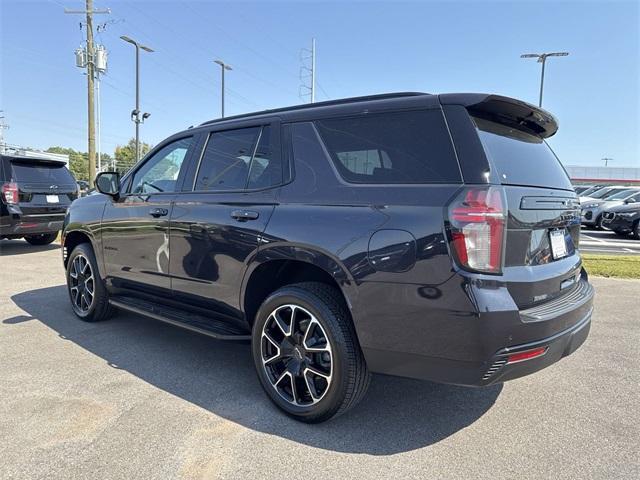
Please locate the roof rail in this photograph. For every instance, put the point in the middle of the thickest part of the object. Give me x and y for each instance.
(327, 103)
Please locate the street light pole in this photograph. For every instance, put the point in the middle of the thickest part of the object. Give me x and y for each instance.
(542, 58)
(135, 114)
(223, 67)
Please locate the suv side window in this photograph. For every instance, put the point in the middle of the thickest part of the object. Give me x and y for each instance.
(232, 161)
(266, 168)
(391, 147)
(159, 174)
(226, 160)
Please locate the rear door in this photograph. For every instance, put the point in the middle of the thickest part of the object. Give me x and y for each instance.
(218, 219)
(543, 225)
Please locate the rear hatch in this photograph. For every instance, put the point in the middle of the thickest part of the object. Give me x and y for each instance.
(542, 230)
(44, 187)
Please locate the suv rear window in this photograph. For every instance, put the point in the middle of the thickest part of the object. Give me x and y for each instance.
(41, 172)
(397, 147)
(521, 158)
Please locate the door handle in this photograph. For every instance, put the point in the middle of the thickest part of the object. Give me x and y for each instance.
(244, 215)
(159, 212)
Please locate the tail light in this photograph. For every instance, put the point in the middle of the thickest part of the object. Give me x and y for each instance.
(477, 225)
(10, 193)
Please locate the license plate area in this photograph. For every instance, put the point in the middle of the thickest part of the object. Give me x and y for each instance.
(558, 243)
(53, 199)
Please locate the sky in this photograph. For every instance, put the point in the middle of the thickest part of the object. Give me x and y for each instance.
(362, 48)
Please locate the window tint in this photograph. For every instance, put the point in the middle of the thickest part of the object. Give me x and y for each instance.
(399, 147)
(226, 160)
(266, 168)
(521, 158)
(160, 172)
(41, 172)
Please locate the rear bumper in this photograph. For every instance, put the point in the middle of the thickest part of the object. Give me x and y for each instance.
(30, 225)
(560, 326)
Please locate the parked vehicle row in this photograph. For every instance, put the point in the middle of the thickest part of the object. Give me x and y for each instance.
(599, 202)
(427, 236)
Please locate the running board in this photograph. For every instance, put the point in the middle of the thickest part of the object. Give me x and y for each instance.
(218, 329)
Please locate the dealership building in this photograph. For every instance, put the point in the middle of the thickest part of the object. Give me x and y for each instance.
(612, 175)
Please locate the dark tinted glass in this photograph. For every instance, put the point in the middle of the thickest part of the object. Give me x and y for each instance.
(266, 168)
(159, 173)
(226, 160)
(521, 158)
(32, 172)
(398, 147)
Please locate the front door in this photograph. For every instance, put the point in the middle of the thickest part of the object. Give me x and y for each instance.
(135, 227)
(216, 228)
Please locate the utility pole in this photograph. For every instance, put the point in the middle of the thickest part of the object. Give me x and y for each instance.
(223, 67)
(91, 130)
(135, 114)
(307, 72)
(3, 127)
(542, 58)
(606, 161)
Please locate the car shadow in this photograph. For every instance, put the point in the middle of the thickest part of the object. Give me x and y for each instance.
(397, 415)
(21, 247)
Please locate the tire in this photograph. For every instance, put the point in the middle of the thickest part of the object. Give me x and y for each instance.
(620, 233)
(82, 276)
(636, 230)
(42, 239)
(328, 361)
(598, 223)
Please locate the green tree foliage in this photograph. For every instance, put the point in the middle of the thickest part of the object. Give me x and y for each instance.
(125, 155)
(79, 163)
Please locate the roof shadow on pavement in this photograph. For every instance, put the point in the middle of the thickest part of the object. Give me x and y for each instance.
(396, 415)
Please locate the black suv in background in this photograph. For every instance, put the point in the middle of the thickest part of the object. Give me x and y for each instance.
(623, 219)
(35, 196)
(428, 236)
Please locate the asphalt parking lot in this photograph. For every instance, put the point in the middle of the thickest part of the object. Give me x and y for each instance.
(607, 242)
(134, 398)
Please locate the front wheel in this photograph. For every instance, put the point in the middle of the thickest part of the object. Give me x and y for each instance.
(87, 292)
(306, 352)
(636, 230)
(42, 239)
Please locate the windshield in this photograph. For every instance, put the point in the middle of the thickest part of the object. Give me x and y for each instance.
(590, 190)
(600, 193)
(521, 158)
(621, 195)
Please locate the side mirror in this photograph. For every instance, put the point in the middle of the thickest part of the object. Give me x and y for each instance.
(108, 183)
(630, 200)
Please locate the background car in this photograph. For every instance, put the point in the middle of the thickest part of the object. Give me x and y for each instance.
(83, 187)
(623, 219)
(35, 196)
(592, 210)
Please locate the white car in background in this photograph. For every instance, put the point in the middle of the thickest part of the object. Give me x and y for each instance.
(593, 208)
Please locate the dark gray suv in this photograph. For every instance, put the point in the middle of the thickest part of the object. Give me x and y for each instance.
(428, 236)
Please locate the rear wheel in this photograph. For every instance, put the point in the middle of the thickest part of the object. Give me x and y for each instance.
(306, 352)
(87, 292)
(598, 223)
(42, 239)
(636, 230)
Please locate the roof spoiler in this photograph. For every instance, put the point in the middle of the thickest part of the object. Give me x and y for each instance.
(508, 111)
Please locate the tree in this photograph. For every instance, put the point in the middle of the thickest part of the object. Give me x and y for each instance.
(78, 161)
(125, 155)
